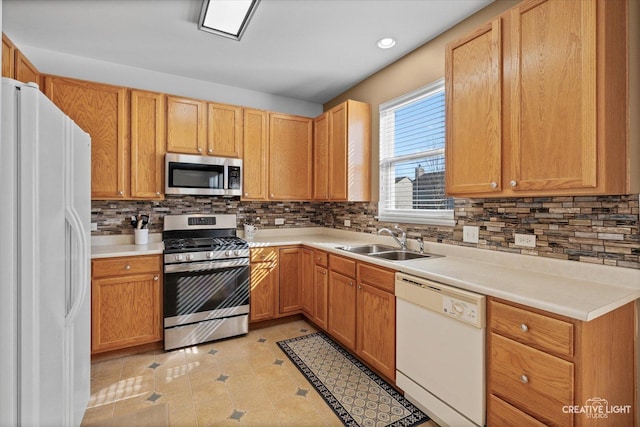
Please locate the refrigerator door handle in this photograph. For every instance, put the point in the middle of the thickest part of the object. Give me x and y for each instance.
(78, 294)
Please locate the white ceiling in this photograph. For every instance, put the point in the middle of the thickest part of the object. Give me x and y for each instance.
(310, 50)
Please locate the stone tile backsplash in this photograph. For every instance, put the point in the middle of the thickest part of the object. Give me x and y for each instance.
(598, 229)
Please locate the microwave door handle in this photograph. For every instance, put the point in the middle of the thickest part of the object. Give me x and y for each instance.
(225, 172)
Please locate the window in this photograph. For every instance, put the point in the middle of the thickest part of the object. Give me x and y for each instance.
(412, 133)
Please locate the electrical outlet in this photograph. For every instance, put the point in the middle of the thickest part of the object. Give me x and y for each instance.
(347, 223)
(94, 226)
(527, 240)
(279, 221)
(470, 233)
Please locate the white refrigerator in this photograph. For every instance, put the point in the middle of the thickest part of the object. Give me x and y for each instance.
(45, 214)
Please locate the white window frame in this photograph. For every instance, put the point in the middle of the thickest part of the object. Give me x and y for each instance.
(387, 178)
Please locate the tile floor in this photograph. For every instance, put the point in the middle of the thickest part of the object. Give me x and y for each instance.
(244, 380)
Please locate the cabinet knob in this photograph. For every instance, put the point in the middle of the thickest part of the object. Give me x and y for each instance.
(246, 194)
(199, 150)
(524, 378)
(120, 193)
(155, 278)
(324, 272)
(359, 287)
(350, 283)
(271, 195)
(513, 183)
(127, 267)
(157, 193)
(524, 327)
(209, 150)
(494, 184)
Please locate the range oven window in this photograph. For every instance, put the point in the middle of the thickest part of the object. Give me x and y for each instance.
(190, 292)
(192, 175)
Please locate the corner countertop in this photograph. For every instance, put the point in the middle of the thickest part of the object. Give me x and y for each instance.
(578, 290)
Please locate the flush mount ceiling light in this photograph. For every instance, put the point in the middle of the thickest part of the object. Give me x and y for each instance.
(226, 18)
(386, 43)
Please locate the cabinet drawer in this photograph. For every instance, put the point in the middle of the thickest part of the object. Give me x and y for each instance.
(321, 258)
(268, 254)
(501, 414)
(533, 329)
(342, 265)
(104, 267)
(531, 380)
(378, 277)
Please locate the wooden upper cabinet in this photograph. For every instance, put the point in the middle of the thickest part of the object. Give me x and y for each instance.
(25, 71)
(321, 157)
(342, 153)
(559, 127)
(224, 130)
(8, 56)
(255, 155)
(474, 140)
(147, 144)
(290, 157)
(101, 111)
(15, 65)
(186, 125)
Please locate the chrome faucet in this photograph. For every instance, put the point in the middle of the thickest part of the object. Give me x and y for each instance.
(420, 244)
(402, 241)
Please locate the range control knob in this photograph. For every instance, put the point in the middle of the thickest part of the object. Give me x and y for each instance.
(227, 253)
(189, 257)
(178, 257)
(209, 255)
(236, 253)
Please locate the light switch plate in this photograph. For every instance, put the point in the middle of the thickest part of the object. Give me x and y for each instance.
(279, 221)
(470, 233)
(94, 226)
(347, 223)
(526, 240)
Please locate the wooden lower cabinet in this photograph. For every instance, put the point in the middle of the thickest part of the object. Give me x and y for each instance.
(306, 281)
(264, 284)
(290, 278)
(541, 365)
(376, 318)
(126, 301)
(321, 296)
(342, 308)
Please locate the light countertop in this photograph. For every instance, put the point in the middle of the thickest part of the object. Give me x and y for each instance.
(578, 290)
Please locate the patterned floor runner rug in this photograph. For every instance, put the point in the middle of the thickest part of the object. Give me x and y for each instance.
(356, 394)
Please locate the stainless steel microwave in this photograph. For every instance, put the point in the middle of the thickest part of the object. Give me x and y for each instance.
(203, 175)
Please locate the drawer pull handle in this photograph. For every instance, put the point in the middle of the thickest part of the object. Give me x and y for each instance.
(524, 327)
(155, 278)
(524, 378)
(127, 267)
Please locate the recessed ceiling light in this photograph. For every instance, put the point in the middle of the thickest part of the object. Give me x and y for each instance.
(227, 18)
(386, 43)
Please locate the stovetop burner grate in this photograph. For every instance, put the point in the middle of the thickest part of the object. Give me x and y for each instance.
(204, 243)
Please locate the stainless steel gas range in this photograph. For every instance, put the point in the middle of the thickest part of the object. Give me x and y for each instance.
(206, 279)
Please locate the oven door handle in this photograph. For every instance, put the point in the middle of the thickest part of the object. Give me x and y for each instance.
(202, 266)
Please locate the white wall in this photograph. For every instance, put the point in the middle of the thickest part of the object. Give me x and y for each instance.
(62, 64)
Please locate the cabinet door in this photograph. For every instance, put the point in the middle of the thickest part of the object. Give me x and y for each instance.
(147, 144)
(338, 156)
(25, 70)
(376, 338)
(125, 311)
(8, 56)
(186, 125)
(473, 79)
(255, 155)
(321, 157)
(290, 290)
(306, 283)
(102, 112)
(342, 309)
(224, 130)
(321, 296)
(290, 157)
(553, 95)
(264, 291)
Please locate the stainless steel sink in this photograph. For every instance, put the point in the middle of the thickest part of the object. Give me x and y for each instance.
(400, 255)
(366, 249)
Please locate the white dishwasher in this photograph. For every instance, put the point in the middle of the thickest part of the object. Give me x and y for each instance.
(440, 350)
